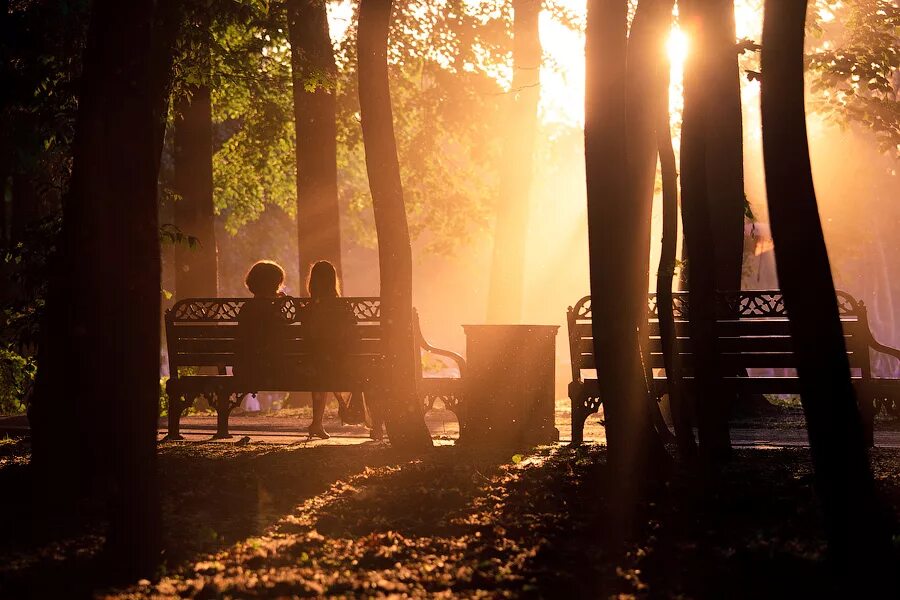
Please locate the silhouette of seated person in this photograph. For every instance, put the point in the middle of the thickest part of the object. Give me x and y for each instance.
(260, 324)
(329, 330)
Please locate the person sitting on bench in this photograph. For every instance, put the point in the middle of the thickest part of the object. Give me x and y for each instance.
(259, 321)
(328, 327)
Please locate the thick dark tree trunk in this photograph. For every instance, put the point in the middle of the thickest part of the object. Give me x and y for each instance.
(511, 230)
(196, 269)
(700, 227)
(404, 415)
(95, 406)
(843, 478)
(712, 32)
(618, 279)
(312, 60)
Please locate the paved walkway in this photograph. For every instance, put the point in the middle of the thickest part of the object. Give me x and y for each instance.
(289, 430)
(280, 429)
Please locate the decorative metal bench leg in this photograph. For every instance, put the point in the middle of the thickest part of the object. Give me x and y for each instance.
(223, 411)
(177, 404)
(579, 416)
(175, 410)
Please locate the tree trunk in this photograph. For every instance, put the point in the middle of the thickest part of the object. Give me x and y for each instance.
(843, 478)
(511, 230)
(701, 240)
(196, 269)
(312, 60)
(681, 413)
(712, 33)
(645, 92)
(404, 415)
(618, 297)
(95, 406)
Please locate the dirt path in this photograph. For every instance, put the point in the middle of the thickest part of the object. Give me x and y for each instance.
(782, 430)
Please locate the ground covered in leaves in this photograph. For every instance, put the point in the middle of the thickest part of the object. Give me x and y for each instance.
(262, 520)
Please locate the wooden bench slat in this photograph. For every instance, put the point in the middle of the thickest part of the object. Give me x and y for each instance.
(748, 327)
(753, 385)
(731, 361)
(229, 331)
(360, 379)
(290, 346)
(213, 359)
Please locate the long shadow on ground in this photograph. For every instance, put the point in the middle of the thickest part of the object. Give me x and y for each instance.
(275, 521)
(213, 495)
(466, 524)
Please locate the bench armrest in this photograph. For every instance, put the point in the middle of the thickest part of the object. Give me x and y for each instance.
(879, 347)
(424, 345)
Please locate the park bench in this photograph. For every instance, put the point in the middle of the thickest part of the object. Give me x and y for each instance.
(202, 332)
(753, 333)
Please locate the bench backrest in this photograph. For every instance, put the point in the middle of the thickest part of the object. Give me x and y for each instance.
(752, 327)
(203, 331)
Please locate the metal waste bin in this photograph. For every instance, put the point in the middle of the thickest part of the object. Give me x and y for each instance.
(510, 394)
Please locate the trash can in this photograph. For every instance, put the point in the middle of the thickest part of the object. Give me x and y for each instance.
(510, 394)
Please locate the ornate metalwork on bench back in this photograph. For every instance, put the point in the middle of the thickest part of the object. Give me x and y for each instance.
(760, 304)
(226, 310)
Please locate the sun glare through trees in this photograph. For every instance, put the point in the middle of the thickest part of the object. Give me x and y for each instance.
(449, 298)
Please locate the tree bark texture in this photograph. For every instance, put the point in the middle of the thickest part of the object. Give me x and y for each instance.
(843, 478)
(711, 70)
(706, 260)
(94, 412)
(196, 268)
(618, 279)
(314, 73)
(511, 230)
(404, 415)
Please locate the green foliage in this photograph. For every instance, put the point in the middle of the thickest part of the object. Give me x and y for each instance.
(40, 65)
(169, 233)
(28, 265)
(855, 65)
(445, 59)
(16, 377)
(238, 49)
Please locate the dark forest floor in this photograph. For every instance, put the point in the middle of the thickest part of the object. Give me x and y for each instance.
(261, 520)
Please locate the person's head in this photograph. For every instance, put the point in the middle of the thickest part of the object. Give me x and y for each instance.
(265, 278)
(323, 281)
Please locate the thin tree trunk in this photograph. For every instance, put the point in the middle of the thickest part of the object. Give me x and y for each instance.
(314, 72)
(404, 415)
(614, 233)
(196, 269)
(681, 413)
(508, 265)
(96, 400)
(700, 239)
(843, 479)
(645, 91)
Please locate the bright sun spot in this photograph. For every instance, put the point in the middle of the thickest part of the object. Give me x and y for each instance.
(677, 48)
